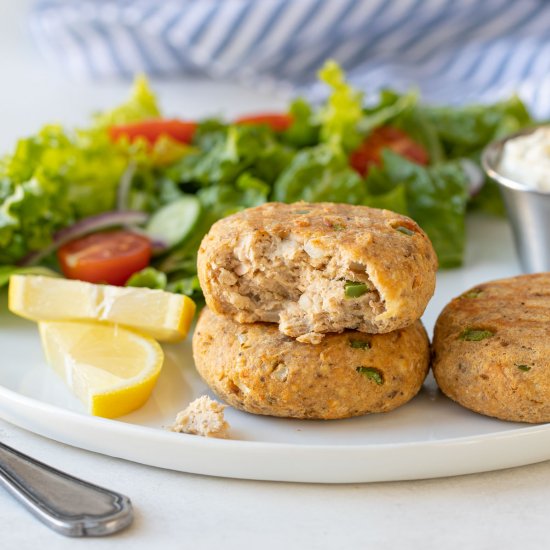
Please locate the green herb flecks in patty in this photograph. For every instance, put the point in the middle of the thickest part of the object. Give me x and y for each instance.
(475, 335)
(359, 344)
(372, 374)
(404, 230)
(524, 368)
(355, 289)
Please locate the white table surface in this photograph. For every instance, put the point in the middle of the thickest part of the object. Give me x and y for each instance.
(506, 509)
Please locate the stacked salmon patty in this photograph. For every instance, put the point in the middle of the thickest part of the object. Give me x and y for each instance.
(313, 309)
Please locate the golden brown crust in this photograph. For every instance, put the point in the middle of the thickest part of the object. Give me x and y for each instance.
(256, 368)
(504, 370)
(338, 241)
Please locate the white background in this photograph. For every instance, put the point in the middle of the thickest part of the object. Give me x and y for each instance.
(507, 509)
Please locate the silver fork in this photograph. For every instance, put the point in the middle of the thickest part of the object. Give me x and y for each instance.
(66, 504)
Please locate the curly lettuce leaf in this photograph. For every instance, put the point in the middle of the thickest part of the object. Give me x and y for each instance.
(343, 110)
(34, 202)
(148, 277)
(304, 131)
(179, 283)
(141, 105)
(436, 199)
(190, 286)
(322, 174)
(422, 131)
(253, 190)
(57, 177)
(390, 107)
(225, 199)
(225, 155)
(318, 174)
(50, 181)
(464, 131)
(394, 199)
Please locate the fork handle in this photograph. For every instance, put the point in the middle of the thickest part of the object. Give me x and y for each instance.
(66, 504)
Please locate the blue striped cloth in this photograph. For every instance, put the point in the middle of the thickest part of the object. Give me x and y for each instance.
(454, 51)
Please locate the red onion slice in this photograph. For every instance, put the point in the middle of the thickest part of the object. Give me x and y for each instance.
(83, 227)
(124, 186)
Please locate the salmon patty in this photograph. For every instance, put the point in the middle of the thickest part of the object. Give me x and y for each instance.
(318, 268)
(491, 349)
(256, 368)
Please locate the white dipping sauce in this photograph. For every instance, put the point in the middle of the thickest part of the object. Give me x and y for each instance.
(526, 159)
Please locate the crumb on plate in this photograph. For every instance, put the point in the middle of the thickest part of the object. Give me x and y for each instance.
(205, 417)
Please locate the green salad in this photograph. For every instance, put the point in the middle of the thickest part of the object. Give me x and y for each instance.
(176, 178)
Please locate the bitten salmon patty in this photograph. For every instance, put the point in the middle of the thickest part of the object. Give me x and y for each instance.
(318, 268)
(491, 349)
(256, 368)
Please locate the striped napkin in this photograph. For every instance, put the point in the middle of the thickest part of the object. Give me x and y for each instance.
(453, 51)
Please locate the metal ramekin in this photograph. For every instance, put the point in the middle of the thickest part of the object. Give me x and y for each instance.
(528, 210)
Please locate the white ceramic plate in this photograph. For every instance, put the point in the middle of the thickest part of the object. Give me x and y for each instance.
(428, 437)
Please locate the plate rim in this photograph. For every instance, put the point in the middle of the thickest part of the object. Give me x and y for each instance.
(276, 461)
(117, 425)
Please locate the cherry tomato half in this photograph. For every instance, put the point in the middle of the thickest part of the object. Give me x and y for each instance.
(152, 130)
(386, 137)
(279, 122)
(110, 257)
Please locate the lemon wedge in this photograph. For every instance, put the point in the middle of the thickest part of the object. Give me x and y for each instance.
(112, 370)
(161, 315)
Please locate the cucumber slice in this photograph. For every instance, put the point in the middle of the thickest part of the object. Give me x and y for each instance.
(173, 223)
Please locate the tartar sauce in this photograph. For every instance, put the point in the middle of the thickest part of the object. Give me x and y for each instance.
(526, 159)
